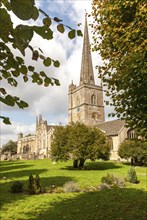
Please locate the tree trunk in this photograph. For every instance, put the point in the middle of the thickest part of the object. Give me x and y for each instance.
(135, 161)
(81, 164)
(75, 163)
(132, 162)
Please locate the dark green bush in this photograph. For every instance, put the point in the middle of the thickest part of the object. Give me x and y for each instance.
(134, 150)
(16, 187)
(34, 186)
(132, 176)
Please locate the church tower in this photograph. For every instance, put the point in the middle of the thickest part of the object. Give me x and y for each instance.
(85, 102)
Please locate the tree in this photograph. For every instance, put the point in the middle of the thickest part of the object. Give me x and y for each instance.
(136, 150)
(119, 33)
(19, 39)
(79, 142)
(11, 146)
(59, 148)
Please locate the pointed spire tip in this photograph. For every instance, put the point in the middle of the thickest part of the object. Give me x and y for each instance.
(86, 13)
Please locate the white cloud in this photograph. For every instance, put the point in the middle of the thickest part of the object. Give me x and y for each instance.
(10, 132)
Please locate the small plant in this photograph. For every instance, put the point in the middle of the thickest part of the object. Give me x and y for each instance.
(132, 176)
(16, 187)
(58, 190)
(53, 189)
(108, 179)
(119, 182)
(89, 189)
(70, 187)
(112, 181)
(104, 186)
(34, 186)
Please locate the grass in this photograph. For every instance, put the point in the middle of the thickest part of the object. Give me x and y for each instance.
(127, 203)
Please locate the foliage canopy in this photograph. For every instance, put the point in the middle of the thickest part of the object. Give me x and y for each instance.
(79, 142)
(10, 146)
(134, 149)
(119, 33)
(18, 39)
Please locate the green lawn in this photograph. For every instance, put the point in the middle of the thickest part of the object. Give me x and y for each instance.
(127, 203)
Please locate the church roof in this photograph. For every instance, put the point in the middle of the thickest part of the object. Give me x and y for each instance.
(50, 126)
(112, 127)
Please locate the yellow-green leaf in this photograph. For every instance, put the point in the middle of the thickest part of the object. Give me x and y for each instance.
(56, 63)
(25, 78)
(47, 21)
(6, 120)
(79, 33)
(61, 28)
(35, 14)
(23, 69)
(72, 34)
(47, 62)
(22, 9)
(35, 55)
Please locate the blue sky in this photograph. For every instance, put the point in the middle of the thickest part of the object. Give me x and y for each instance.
(51, 102)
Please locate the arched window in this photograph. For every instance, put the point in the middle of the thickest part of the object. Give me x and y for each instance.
(131, 134)
(78, 109)
(93, 99)
(26, 149)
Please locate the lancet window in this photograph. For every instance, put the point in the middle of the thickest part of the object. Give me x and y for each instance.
(93, 99)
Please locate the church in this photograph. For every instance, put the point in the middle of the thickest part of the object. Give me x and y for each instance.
(85, 105)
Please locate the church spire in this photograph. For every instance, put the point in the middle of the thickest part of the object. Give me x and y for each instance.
(86, 76)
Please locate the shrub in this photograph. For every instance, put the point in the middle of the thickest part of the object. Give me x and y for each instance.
(111, 180)
(58, 190)
(104, 186)
(34, 186)
(119, 182)
(132, 176)
(108, 179)
(16, 187)
(70, 187)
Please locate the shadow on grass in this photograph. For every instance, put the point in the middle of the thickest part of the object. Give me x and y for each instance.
(123, 204)
(100, 165)
(129, 164)
(8, 197)
(13, 167)
(7, 163)
(56, 180)
(21, 173)
(5, 195)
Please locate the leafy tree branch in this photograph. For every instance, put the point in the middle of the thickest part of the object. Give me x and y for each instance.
(119, 34)
(19, 38)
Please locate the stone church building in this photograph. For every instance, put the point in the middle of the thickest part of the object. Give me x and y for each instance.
(37, 145)
(85, 105)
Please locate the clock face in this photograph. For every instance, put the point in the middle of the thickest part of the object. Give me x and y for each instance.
(78, 109)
